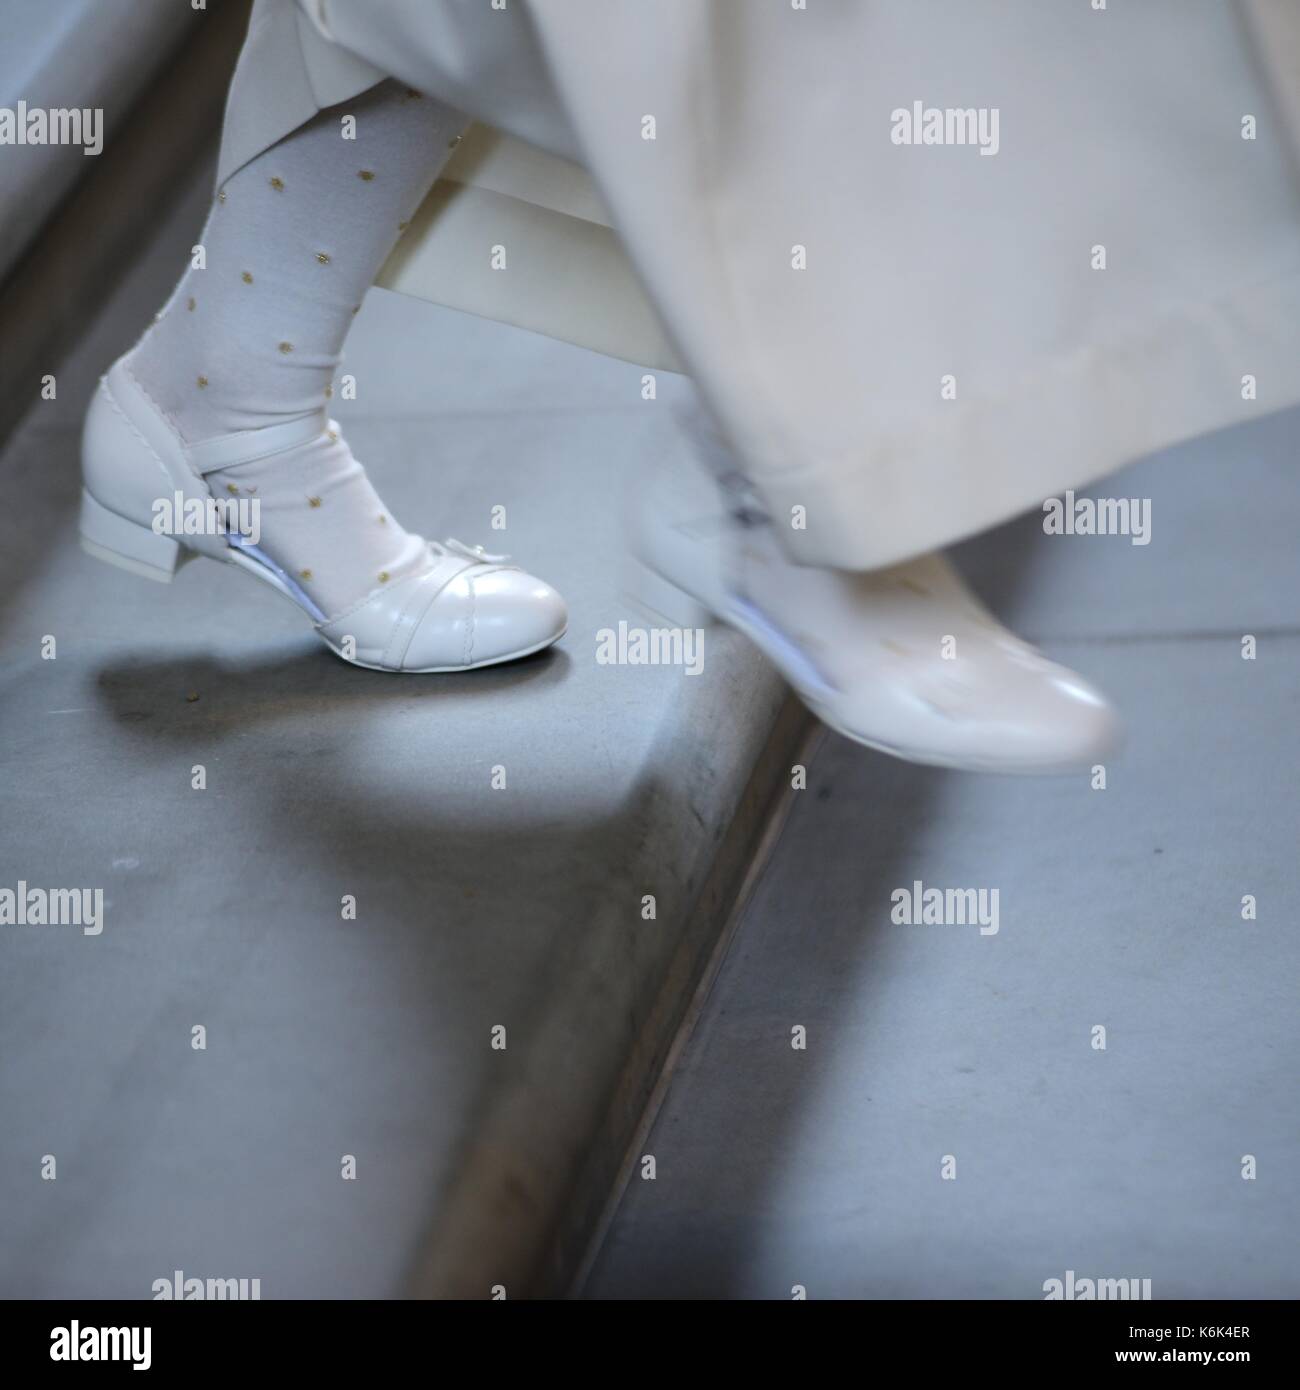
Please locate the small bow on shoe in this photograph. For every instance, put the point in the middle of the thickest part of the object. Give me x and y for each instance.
(468, 552)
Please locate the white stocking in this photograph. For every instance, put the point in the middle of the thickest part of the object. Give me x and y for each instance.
(255, 337)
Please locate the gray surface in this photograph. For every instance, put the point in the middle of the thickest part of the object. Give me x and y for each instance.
(1118, 907)
(76, 54)
(476, 907)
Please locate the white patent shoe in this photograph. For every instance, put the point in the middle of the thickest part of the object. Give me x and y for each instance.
(459, 608)
(904, 660)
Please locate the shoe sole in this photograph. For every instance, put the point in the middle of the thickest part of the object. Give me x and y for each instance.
(451, 670)
(126, 545)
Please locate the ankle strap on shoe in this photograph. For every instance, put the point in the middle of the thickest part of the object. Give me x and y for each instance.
(226, 450)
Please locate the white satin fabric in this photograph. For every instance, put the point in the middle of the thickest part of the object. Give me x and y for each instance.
(950, 354)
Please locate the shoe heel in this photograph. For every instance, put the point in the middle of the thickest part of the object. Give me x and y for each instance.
(127, 544)
(661, 598)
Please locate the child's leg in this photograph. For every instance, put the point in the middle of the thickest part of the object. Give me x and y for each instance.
(254, 337)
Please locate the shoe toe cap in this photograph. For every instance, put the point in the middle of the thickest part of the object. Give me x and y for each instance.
(481, 618)
(514, 613)
(1001, 710)
(1062, 723)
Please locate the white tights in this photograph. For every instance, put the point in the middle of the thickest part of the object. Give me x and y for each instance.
(255, 336)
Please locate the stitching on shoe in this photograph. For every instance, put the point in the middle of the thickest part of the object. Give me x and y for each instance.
(167, 416)
(365, 598)
(134, 428)
(473, 618)
(416, 586)
(438, 592)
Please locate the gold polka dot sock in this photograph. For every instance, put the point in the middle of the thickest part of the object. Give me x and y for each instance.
(323, 523)
(253, 335)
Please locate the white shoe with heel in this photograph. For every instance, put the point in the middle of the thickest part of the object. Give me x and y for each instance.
(454, 609)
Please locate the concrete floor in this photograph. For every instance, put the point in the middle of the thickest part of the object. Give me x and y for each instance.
(822, 1168)
(476, 907)
(480, 908)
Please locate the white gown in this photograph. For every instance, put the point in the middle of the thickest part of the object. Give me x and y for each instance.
(909, 339)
